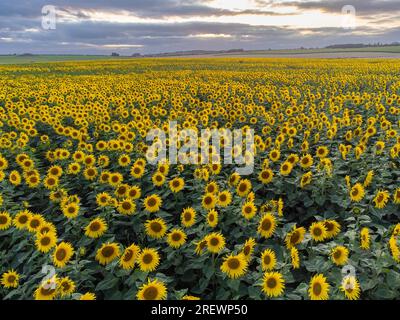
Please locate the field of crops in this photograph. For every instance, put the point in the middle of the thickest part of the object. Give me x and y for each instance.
(86, 214)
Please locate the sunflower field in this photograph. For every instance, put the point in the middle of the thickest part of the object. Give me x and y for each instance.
(84, 215)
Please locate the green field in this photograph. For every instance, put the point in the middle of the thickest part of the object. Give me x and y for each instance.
(371, 52)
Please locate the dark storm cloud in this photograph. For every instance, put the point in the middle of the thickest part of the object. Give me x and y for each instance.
(20, 27)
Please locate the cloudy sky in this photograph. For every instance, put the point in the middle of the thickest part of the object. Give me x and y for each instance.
(152, 26)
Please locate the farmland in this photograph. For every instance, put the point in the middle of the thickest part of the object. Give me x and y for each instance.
(86, 214)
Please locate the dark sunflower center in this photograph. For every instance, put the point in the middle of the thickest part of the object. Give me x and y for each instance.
(295, 237)
(271, 283)
(34, 223)
(267, 259)
(214, 242)
(266, 225)
(176, 236)
(23, 219)
(126, 205)
(317, 289)
(61, 254)
(45, 241)
(107, 252)
(337, 254)
(128, 255)
(47, 292)
(147, 258)
(95, 226)
(151, 202)
(233, 263)
(156, 226)
(317, 232)
(188, 216)
(3, 220)
(150, 293)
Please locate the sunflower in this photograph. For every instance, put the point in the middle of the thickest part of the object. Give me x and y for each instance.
(267, 225)
(152, 290)
(134, 192)
(234, 266)
(121, 191)
(88, 296)
(212, 218)
(243, 188)
(176, 238)
(35, 222)
(176, 185)
(5, 220)
(306, 161)
(248, 248)
(306, 179)
(96, 228)
(318, 231)
(351, 288)
(71, 210)
(211, 187)
(357, 192)
(45, 241)
(209, 201)
(62, 254)
(137, 171)
(339, 255)
(319, 288)
(10, 279)
(224, 198)
(124, 160)
(15, 178)
(74, 168)
(156, 228)
(158, 179)
(51, 182)
(47, 290)
(107, 253)
(21, 219)
(129, 257)
(152, 203)
(126, 207)
(273, 284)
(103, 199)
(295, 259)
(115, 179)
(66, 287)
(322, 152)
(33, 181)
(365, 239)
(268, 260)
(286, 168)
(368, 178)
(274, 155)
(215, 242)
(234, 179)
(332, 228)
(249, 210)
(149, 260)
(295, 237)
(266, 176)
(55, 171)
(188, 217)
(200, 246)
(396, 196)
(381, 199)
